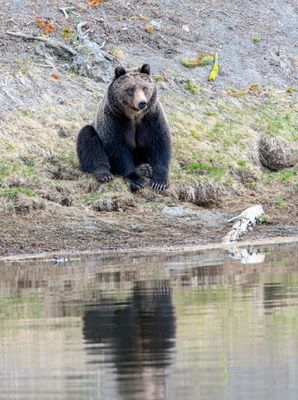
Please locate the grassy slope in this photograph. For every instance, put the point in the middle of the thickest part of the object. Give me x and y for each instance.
(215, 141)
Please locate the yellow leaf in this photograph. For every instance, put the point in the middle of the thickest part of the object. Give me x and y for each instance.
(215, 70)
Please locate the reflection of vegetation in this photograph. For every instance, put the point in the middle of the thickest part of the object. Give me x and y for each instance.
(204, 296)
(18, 306)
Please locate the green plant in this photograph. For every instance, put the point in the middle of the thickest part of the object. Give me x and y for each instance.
(191, 87)
(13, 193)
(256, 39)
(280, 202)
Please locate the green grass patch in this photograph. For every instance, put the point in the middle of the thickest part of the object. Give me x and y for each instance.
(191, 87)
(92, 196)
(242, 163)
(278, 121)
(215, 171)
(280, 203)
(16, 169)
(13, 193)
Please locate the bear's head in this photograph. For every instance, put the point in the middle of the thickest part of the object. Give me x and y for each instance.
(132, 91)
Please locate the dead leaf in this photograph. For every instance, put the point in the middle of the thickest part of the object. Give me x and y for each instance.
(251, 89)
(55, 76)
(149, 28)
(94, 3)
(144, 18)
(47, 27)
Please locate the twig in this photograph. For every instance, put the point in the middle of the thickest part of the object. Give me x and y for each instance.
(63, 9)
(215, 10)
(49, 42)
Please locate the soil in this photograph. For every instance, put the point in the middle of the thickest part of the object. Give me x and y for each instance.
(179, 29)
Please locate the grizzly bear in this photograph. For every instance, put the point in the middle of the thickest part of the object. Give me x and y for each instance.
(129, 130)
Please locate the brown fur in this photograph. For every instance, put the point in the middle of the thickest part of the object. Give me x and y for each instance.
(130, 129)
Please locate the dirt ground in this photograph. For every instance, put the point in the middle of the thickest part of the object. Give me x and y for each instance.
(257, 42)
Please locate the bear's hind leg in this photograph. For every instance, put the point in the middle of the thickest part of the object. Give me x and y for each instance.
(92, 156)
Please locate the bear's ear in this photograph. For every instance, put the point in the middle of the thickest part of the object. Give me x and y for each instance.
(119, 71)
(145, 69)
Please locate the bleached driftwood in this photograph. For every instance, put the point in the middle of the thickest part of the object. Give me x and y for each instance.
(49, 42)
(243, 221)
(91, 60)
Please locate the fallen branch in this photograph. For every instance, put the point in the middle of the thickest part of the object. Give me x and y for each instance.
(49, 42)
(246, 219)
(205, 9)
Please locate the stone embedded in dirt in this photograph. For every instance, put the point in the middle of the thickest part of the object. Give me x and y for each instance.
(177, 212)
(275, 154)
(193, 217)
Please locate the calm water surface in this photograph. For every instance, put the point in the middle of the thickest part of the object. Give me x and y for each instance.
(209, 325)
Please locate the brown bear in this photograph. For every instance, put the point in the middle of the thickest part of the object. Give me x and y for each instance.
(130, 129)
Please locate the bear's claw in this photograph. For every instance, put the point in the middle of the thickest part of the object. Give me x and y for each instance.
(136, 182)
(103, 176)
(159, 185)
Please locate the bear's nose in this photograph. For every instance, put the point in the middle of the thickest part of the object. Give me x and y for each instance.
(142, 105)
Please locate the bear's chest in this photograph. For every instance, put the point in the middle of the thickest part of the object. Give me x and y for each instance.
(136, 135)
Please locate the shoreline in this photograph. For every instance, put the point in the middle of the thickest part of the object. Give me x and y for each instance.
(179, 250)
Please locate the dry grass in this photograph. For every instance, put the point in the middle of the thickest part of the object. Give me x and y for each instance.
(113, 202)
(275, 154)
(204, 194)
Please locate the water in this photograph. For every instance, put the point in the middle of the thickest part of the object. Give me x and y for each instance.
(210, 325)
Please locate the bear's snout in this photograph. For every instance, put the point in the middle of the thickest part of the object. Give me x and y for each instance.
(142, 105)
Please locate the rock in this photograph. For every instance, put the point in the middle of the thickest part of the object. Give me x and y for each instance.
(188, 216)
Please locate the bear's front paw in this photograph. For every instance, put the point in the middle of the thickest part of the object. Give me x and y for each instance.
(103, 175)
(144, 170)
(136, 182)
(158, 184)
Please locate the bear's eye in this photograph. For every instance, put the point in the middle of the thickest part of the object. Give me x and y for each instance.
(145, 89)
(130, 91)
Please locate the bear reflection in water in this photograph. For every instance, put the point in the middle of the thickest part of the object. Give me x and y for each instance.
(140, 336)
